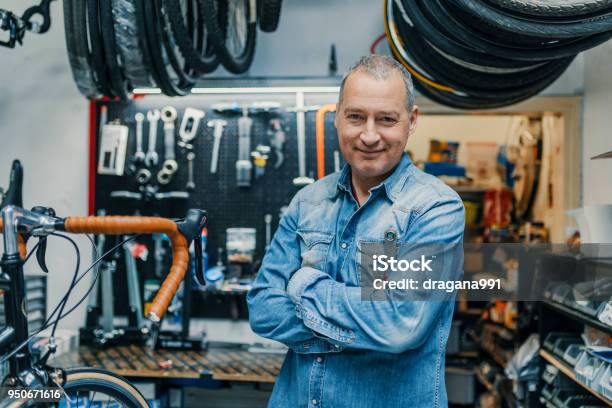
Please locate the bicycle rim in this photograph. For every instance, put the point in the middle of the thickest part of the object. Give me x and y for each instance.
(99, 388)
(237, 28)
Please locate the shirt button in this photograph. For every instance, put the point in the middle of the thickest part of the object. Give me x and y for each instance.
(319, 359)
(314, 402)
(343, 245)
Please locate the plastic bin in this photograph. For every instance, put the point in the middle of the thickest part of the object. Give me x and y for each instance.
(550, 342)
(572, 353)
(552, 376)
(587, 368)
(602, 382)
(562, 344)
(548, 391)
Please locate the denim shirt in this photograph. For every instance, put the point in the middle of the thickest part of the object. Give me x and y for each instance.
(344, 351)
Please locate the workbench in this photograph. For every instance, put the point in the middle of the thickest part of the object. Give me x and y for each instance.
(138, 362)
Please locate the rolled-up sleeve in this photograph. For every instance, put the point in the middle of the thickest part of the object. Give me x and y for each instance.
(339, 313)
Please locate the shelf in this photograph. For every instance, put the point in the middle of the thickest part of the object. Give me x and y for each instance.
(565, 369)
(577, 315)
(469, 190)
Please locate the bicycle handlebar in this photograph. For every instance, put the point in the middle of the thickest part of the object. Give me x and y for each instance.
(22, 245)
(180, 233)
(118, 225)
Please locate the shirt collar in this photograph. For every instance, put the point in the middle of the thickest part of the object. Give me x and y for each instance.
(391, 185)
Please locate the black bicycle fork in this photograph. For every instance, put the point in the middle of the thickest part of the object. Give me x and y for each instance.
(15, 311)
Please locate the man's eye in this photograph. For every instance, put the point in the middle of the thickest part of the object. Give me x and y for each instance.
(354, 116)
(388, 120)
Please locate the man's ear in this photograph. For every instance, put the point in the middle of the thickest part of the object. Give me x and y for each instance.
(414, 115)
(336, 115)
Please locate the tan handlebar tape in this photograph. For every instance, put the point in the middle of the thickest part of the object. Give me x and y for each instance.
(22, 245)
(119, 225)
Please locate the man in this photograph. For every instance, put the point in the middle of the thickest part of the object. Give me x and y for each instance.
(345, 351)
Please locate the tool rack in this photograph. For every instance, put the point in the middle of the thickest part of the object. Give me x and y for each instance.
(227, 204)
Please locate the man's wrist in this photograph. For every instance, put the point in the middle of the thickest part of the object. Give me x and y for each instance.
(299, 281)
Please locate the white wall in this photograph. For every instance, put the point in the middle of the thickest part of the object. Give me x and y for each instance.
(43, 119)
(43, 122)
(597, 126)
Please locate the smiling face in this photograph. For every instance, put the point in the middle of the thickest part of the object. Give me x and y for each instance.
(373, 124)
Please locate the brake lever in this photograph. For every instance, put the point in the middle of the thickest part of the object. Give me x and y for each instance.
(199, 268)
(41, 250)
(191, 228)
(40, 254)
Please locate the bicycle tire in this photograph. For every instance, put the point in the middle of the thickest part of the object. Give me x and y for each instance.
(96, 48)
(106, 381)
(512, 25)
(202, 64)
(78, 56)
(460, 77)
(465, 35)
(184, 74)
(236, 64)
(147, 19)
(470, 103)
(268, 14)
(553, 8)
(128, 43)
(92, 379)
(119, 85)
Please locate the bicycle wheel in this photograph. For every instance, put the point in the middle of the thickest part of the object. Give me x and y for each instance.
(268, 14)
(91, 385)
(234, 41)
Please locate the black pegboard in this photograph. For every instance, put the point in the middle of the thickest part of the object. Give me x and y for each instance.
(227, 204)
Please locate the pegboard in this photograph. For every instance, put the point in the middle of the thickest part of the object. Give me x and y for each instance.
(227, 204)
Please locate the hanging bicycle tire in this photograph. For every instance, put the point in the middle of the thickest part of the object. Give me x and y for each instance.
(128, 43)
(462, 55)
(200, 57)
(235, 41)
(554, 8)
(268, 14)
(78, 51)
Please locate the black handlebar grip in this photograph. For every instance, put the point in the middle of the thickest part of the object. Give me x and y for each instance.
(14, 195)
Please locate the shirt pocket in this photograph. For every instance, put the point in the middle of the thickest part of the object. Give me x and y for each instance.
(367, 248)
(314, 248)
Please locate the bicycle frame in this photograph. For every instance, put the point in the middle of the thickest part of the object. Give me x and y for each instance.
(21, 370)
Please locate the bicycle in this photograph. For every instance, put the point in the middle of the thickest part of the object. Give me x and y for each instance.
(83, 385)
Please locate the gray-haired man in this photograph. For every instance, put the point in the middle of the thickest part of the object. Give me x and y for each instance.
(344, 351)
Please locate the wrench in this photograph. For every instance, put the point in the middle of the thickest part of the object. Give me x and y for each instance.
(139, 155)
(190, 183)
(277, 141)
(168, 116)
(218, 125)
(151, 157)
(243, 164)
(268, 221)
(189, 126)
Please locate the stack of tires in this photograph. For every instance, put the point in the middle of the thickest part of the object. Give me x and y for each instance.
(115, 46)
(479, 54)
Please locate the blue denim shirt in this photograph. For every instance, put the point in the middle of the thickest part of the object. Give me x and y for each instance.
(344, 351)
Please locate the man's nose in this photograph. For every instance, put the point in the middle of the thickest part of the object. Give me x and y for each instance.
(369, 136)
